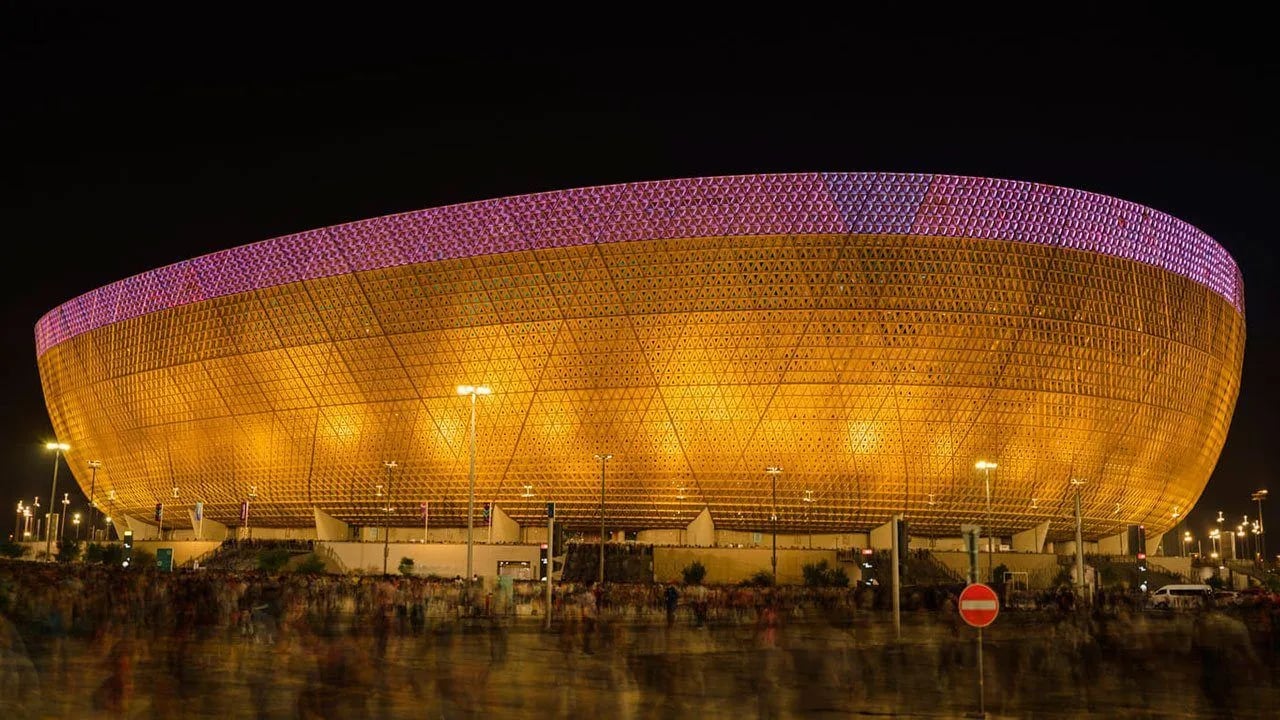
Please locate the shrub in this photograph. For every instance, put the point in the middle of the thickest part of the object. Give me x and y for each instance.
(273, 560)
(108, 554)
(112, 554)
(997, 573)
(13, 550)
(310, 565)
(406, 566)
(142, 559)
(763, 578)
(693, 573)
(820, 574)
(838, 577)
(68, 551)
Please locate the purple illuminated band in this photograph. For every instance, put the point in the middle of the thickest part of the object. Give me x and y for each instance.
(807, 203)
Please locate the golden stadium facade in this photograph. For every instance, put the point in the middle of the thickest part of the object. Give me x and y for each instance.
(874, 335)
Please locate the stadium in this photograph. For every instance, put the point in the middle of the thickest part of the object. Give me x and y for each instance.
(955, 349)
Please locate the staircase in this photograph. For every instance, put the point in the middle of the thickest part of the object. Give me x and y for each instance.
(242, 555)
(1115, 570)
(1257, 574)
(922, 568)
(628, 562)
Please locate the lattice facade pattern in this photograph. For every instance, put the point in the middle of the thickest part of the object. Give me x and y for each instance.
(872, 334)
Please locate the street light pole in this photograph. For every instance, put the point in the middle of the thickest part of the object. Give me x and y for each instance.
(62, 519)
(93, 498)
(473, 391)
(76, 519)
(986, 468)
(58, 448)
(603, 459)
(386, 517)
(1079, 541)
(774, 471)
(1262, 530)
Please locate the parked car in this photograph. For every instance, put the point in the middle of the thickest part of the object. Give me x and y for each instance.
(1255, 596)
(1181, 597)
(1226, 598)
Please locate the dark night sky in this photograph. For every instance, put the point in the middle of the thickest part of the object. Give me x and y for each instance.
(134, 141)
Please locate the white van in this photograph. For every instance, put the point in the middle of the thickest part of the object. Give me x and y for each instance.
(1182, 597)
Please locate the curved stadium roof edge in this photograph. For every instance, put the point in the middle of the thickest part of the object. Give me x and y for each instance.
(737, 205)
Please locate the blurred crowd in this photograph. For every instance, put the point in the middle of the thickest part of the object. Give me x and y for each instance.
(300, 645)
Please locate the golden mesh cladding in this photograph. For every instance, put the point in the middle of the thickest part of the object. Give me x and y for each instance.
(874, 368)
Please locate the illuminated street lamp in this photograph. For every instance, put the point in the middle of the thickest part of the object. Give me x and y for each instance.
(62, 522)
(1186, 540)
(1077, 483)
(76, 519)
(93, 498)
(58, 448)
(986, 468)
(603, 458)
(473, 391)
(17, 524)
(774, 471)
(386, 515)
(1259, 496)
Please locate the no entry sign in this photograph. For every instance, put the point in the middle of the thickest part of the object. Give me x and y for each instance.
(979, 605)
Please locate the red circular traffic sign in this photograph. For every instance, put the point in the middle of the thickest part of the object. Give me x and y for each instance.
(979, 605)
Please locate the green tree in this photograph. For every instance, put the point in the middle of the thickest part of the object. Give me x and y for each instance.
(310, 565)
(112, 554)
(13, 550)
(997, 574)
(693, 573)
(273, 560)
(815, 573)
(68, 551)
(837, 577)
(142, 559)
(820, 574)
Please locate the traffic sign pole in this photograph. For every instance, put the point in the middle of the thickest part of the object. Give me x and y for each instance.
(982, 690)
(979, 605)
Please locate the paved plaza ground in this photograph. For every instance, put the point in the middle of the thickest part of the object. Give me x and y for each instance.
(1037, 665)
